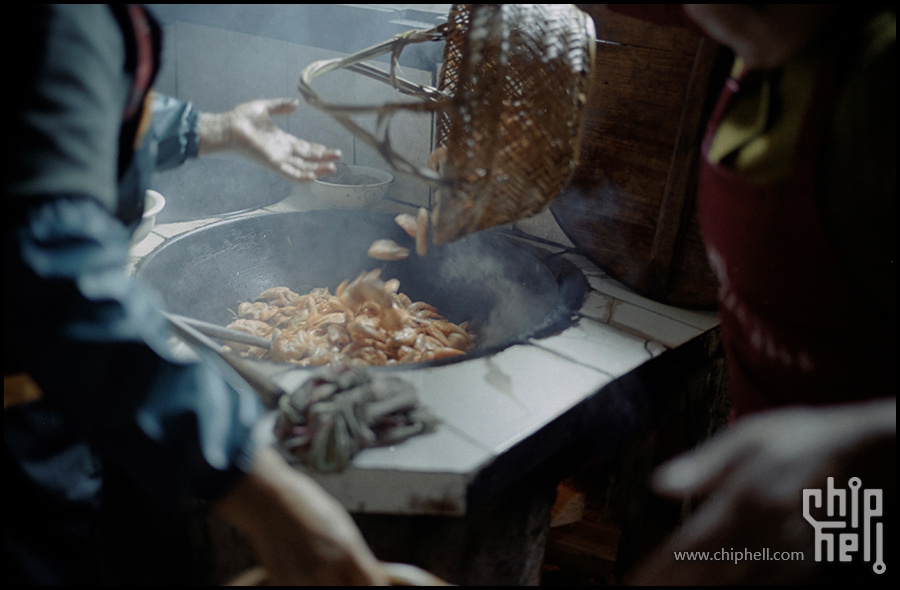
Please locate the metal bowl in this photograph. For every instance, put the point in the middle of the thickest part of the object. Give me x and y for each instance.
(352, 187)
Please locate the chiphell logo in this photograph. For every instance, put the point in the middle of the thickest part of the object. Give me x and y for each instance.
(856, 516)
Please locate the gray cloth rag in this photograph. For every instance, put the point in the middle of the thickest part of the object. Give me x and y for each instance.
(341, 410)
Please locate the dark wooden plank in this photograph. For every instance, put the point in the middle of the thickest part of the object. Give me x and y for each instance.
(630, 205)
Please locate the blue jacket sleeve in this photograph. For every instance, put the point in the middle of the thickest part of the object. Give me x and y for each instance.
(90, 336)
(95, 342)
(173, 130)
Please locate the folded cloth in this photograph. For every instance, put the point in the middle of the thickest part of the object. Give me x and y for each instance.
(341, 410)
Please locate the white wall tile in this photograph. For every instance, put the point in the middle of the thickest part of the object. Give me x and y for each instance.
(218, 69)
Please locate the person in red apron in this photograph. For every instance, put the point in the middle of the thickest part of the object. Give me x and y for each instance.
(797, 207)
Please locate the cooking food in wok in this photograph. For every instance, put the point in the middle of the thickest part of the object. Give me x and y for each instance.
(364, 322)
(506, 290)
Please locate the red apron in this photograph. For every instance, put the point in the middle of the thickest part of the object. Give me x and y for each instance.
(794, 328)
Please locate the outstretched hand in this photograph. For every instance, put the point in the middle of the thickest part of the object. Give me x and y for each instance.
(749, 481)
(249, 129)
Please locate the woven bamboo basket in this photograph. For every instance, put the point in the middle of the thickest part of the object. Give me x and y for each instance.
(509, 109)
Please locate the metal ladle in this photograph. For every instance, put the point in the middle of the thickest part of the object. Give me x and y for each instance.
(238, 371)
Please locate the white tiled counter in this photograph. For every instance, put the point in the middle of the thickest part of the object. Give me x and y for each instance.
(512, 421)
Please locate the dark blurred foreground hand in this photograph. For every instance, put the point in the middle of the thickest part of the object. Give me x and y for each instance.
(299, 533)
(749, 483)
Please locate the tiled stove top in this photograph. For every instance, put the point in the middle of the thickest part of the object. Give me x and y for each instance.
(507, 413)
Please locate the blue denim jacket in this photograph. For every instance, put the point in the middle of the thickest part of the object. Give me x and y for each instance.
(90, 336)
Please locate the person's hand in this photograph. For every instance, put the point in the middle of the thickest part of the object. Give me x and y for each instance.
(299, 533)
(750, 479)
(248, 129)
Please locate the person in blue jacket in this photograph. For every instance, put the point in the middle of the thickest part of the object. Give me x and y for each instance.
(105, 431)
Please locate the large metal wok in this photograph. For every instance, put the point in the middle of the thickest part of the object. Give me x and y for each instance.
(507, 290)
